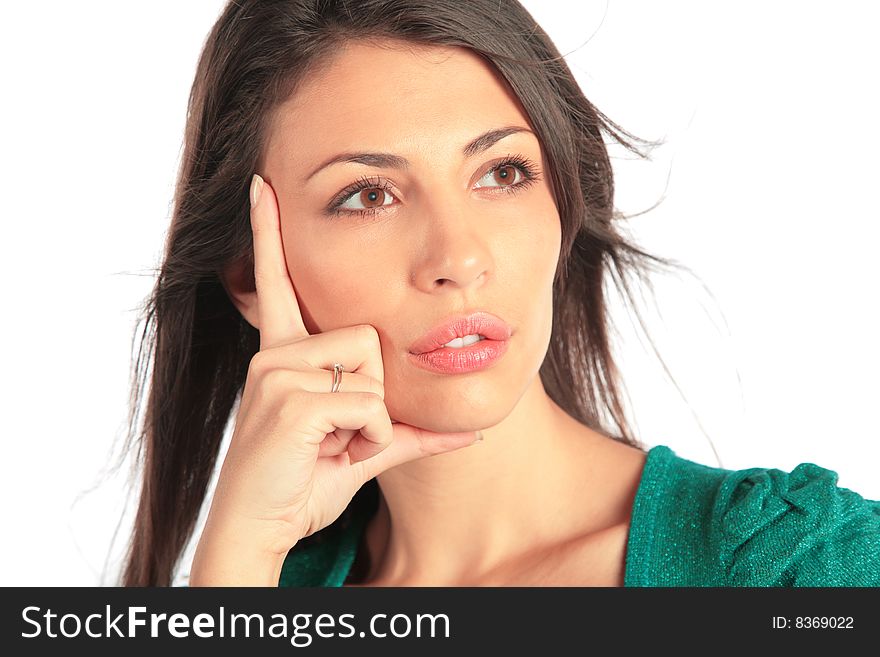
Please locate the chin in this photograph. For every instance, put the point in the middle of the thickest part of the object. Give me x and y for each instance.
(473, 409)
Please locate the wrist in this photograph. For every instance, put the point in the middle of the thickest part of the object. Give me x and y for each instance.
(230, 561)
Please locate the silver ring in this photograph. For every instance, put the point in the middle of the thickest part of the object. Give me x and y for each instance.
(337, 377)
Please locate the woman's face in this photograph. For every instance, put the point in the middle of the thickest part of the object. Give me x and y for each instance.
(442, 235)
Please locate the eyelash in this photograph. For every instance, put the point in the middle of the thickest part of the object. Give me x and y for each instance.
(526, 167)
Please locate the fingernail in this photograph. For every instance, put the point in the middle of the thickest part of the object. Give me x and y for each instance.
(256, 189)
(479, 436)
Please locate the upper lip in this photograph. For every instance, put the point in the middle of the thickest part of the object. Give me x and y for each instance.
(478, 323)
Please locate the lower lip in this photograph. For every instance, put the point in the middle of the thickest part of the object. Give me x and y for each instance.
(473, 357)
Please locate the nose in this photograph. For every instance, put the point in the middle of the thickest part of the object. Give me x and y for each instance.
(454, 251)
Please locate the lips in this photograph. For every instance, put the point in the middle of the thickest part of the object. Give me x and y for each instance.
(479, 323)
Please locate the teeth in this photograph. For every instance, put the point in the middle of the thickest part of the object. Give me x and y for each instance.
(458, 343)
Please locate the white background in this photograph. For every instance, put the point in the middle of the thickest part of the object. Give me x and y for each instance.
(769, 178)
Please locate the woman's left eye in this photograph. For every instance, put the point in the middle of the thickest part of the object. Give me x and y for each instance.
(505, 174)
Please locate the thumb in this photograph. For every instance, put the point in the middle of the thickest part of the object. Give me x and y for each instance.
(412, 443)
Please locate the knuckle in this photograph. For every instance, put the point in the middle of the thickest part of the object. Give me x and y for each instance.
(376, 387)
(370, 401)
(368, 334)
(275, 378)
(267, 386)
(258, 364)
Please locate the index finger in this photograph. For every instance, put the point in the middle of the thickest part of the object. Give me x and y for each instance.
(277, 308)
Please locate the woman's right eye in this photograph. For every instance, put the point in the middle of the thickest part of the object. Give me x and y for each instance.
(369, 198)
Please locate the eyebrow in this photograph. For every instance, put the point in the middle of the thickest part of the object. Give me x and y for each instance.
(391, 161)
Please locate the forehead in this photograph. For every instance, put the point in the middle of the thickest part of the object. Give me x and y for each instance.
(393, 97)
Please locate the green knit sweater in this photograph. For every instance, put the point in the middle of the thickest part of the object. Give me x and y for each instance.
(691, 525)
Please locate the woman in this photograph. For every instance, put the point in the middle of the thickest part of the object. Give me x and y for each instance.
(408, 298)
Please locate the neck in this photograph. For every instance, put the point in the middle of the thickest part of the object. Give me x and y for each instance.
(458, 515)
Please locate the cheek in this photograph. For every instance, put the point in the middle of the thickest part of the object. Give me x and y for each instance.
(334, 288)
(539, 269)
(547, 243)
(530, 248)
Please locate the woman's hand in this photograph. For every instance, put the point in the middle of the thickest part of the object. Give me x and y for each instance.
(299, 452)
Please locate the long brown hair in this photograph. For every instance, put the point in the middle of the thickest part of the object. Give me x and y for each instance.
(200, 346)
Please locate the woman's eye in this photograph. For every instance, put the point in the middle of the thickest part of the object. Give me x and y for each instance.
(505, 175)
(369, 198)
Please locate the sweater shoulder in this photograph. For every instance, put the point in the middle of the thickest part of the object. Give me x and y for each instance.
(797, 528)
(707, 526)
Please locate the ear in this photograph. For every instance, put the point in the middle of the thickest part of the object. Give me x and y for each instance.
(238, 281)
